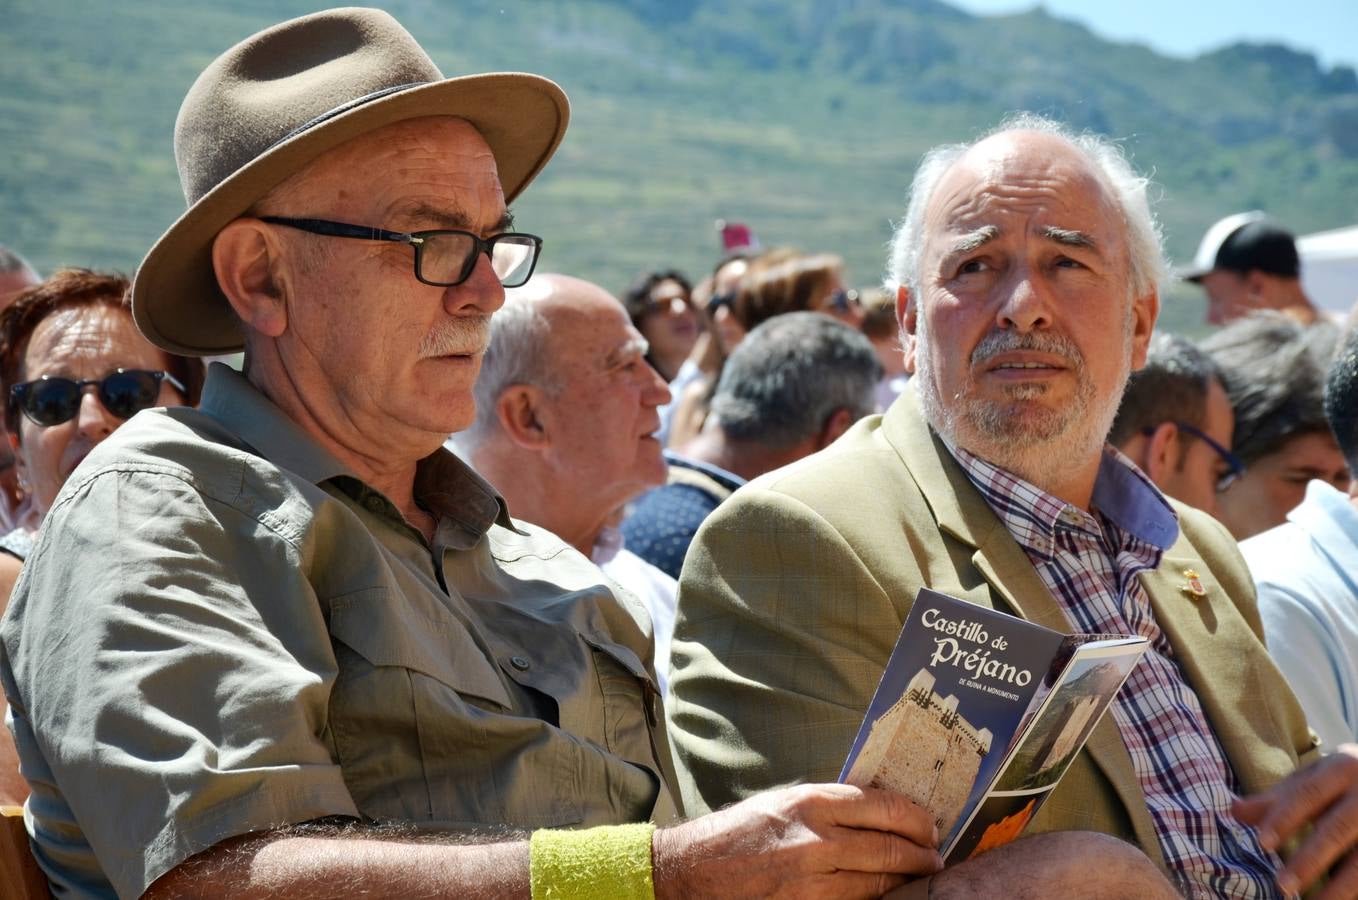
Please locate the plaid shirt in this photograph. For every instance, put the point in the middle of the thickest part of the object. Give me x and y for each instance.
(1090, 562)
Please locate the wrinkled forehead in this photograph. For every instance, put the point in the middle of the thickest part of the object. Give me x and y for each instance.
(85, 330)
(433, 153)
(1024, 179)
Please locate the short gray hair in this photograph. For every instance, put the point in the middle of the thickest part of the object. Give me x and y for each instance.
(1145, 242)
(517, 354)
(1274, 369)
(790, 374)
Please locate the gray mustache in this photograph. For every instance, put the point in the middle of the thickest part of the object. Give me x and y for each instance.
(463, 335)
(997, 342)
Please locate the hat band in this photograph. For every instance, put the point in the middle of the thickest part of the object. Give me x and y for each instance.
(343, 108)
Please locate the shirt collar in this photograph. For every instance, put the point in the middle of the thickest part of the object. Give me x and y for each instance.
(1122, 494)
(444, 484)
(607, 545)
(728, 480)
(1132, 502)
(1328, 515)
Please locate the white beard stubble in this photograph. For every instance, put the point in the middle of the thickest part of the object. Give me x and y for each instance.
(1037, 444)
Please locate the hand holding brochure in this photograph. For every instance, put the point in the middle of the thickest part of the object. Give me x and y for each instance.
(978, 714)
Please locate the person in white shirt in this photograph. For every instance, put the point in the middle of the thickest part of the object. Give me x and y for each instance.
(1306, 571)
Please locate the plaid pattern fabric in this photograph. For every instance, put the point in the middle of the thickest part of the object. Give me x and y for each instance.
(1090, 563)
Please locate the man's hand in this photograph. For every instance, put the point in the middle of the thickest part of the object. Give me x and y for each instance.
(1325, 795)
(821, 840)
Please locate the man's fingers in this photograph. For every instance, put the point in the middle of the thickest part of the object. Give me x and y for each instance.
(865, 850)
(1252, 810)
(880, 810)
(1332, 838)
(1300, 799)
(1343, 883)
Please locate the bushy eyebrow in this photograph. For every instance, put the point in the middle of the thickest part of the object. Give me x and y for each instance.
(637, 346)
(1069, 237)
(974, 240)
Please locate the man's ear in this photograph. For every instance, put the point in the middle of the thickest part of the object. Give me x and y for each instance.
(245, 256)
(1145, 310)
(906, 316)
(520, 411)
(1160, 458)
(838, 423)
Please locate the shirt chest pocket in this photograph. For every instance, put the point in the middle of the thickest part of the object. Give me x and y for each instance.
(425, 730)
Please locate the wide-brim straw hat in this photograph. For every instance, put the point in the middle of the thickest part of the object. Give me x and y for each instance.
(276, 101)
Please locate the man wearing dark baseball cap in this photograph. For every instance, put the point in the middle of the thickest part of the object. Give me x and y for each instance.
(1246, 263)
(286, 644)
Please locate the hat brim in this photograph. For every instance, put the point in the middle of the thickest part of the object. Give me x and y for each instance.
(175, 298)
(1194, 273)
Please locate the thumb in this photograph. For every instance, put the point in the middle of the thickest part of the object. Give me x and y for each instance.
(1253, 809)
(1256, 810)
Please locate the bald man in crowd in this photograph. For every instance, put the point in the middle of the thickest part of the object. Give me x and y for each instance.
(566, 417)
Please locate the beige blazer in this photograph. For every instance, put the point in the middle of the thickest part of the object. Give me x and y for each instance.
(796, 588)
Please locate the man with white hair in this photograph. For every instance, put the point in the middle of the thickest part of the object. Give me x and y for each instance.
(566, 417)
(1026, 270)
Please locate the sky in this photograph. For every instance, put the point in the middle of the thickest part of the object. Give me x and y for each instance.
(1326, 28)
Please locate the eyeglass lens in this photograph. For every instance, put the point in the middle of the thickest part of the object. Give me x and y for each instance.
(448, 258)
(52, 401)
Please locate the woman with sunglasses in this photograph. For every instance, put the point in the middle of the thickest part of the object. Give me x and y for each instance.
(75, 368)
(660, 305)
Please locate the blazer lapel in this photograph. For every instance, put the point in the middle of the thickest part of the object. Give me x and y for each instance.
(962, 512)
(1206, 632)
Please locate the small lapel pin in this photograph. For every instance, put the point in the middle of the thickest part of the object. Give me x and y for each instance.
(1193, 586)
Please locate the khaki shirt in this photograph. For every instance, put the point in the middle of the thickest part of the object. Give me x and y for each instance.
(221, 630)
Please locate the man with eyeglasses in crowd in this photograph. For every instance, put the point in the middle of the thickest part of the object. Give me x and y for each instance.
(1175, 422)
(286, 644)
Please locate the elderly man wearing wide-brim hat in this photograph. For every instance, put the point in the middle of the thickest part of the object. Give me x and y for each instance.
(292, 606)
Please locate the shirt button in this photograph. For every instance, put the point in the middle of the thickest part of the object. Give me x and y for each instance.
(519, 663)
(374, 503)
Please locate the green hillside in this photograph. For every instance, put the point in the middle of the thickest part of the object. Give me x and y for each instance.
(804, 118)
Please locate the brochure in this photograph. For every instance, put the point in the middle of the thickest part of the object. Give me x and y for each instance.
(978, 714)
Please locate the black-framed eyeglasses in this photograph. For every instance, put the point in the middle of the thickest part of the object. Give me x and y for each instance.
(1235, 467)
(444, 257)
(51, 400)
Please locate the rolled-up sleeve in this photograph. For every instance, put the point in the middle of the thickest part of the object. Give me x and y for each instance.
(169, 669)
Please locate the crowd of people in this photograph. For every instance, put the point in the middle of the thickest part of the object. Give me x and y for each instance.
(479, 579)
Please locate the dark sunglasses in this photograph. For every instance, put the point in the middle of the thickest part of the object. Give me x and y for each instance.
(1235, 467)
(51, 400)
(717, 301)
